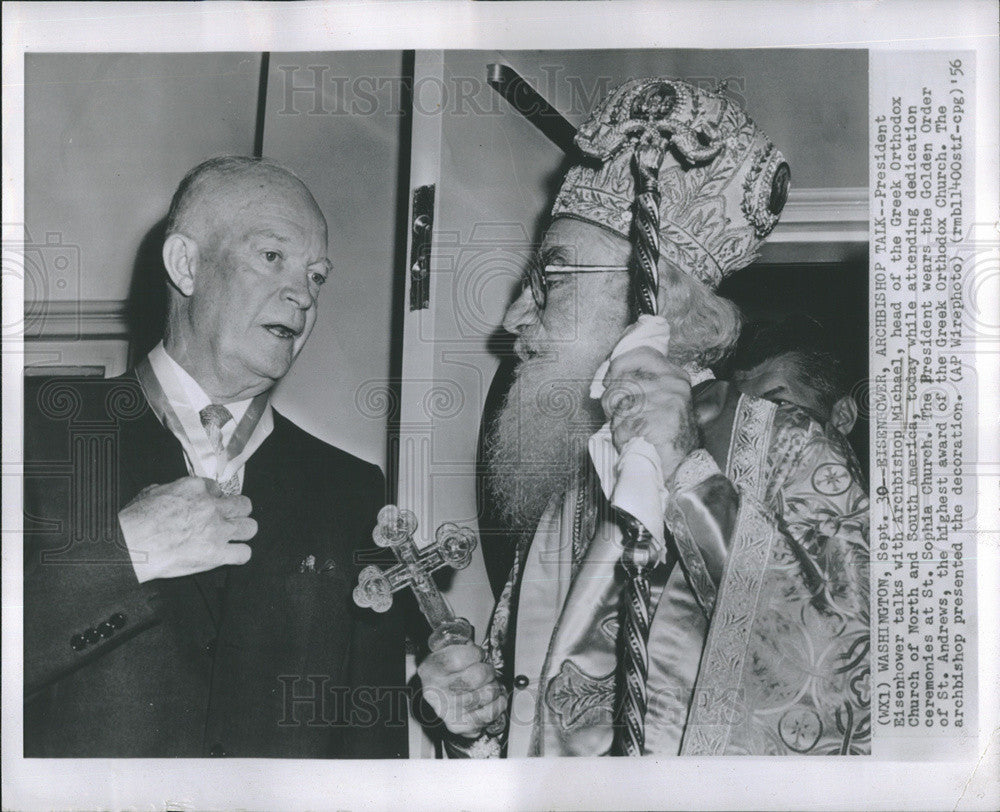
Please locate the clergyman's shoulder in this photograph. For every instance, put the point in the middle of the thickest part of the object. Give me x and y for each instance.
(824, 445)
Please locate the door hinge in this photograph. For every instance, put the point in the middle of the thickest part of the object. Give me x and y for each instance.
(422, 227)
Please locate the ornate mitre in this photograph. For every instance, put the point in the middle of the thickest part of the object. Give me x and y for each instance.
(722, 182)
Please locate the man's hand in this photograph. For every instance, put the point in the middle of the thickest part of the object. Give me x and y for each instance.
(462, 689)
(185, 527)
(647, 396)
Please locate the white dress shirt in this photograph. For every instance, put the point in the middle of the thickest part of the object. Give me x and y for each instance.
(187, 399)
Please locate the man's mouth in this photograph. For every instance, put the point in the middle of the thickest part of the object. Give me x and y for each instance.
(283, 331)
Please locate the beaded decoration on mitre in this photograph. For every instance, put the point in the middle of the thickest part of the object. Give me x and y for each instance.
(722, 183)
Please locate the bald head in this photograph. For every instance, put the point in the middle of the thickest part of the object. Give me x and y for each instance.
(245, 252)
(210, 193)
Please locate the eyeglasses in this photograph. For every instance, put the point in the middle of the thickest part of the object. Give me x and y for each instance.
(537, 277)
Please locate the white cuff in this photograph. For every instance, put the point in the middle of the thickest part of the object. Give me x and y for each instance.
(139, 559)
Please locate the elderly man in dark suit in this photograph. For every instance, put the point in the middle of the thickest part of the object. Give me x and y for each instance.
(189, 552)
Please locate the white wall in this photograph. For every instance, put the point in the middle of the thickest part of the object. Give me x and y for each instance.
(813, 104)
(107, 139)
(346, 148)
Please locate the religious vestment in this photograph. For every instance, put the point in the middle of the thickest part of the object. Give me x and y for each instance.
(759, 640)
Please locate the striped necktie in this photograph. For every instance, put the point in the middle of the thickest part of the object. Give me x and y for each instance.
(213, 418)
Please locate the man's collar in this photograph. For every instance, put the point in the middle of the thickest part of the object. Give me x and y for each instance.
(180, 387)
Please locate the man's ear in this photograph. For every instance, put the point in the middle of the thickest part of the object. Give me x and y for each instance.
(844, 414)
(180, 258)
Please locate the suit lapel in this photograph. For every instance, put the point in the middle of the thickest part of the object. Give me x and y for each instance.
(149, 454)
(267, 488)
(272, 499)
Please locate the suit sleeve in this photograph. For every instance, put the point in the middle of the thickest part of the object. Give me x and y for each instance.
(81, 595)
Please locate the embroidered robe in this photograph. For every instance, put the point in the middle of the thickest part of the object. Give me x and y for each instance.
(759, 642)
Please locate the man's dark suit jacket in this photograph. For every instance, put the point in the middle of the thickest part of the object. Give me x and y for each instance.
(250, 661)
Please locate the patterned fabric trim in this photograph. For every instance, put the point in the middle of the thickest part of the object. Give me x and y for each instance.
(691, 559)
(487, 746)
(747, 457)
(579, 700)
(718, 702)
(696, 467)
(715, 708)
(693, 470)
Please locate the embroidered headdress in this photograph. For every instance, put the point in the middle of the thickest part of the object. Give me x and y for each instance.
(722, 183)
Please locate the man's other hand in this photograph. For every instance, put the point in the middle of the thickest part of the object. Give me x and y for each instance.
(462, 690)
(185, 527)
(648, 396)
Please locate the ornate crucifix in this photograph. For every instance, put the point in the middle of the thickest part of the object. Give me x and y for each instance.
(453, 547)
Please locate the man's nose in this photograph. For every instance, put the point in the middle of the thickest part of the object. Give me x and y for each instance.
(296, 290)
(522, 313)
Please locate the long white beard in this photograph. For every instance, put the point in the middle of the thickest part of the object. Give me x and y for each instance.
(538, 441)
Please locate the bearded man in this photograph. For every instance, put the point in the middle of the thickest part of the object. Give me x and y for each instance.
(758, 635)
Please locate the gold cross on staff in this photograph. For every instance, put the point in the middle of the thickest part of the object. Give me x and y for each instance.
(452, 547)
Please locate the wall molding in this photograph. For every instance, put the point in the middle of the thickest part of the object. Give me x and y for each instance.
(832, 215)
(67, 320)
